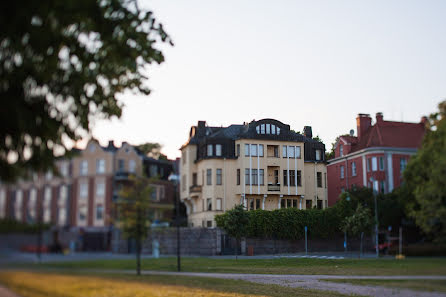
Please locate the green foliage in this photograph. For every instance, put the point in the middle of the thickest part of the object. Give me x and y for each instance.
(62, 63)
(134, 205)
(13, 226)
(425, 178)
(152, 149)
(360, 221)
(234, 222)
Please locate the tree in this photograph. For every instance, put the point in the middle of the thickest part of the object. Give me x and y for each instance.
(152, 149)
(425, 178)
(235, 222)
(133, 213)
(358, 223)
(62, 63)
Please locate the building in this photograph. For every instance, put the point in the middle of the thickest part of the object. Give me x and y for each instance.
(81, 196)
(376, 157)
(262, 165)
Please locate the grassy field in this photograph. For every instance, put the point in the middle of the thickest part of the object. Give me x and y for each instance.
(411, 266)
(33, 284)
(419, 285)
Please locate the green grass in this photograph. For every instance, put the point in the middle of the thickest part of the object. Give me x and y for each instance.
(33, 284)
(419, 285)
(410, 266)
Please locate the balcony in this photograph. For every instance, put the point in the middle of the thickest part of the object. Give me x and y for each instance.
(274, 188)
(122, 175)
(195, 189)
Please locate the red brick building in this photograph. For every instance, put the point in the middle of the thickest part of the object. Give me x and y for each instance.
(376, 157)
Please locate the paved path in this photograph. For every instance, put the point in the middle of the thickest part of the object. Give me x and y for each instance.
(7, 293)
(316, 282)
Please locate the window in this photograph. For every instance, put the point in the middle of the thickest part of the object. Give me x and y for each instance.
(2, 204)
(368, 164)
(238, 176)
(272, 151)
(132, 166)
(92, 147)
(209, 177)
(99, 212)
(262, 129)
(254, 150)
(194, 179)
(342, 171)
(298, 152)
(403, 164)
(247, 176)
(251, 204)
(219, 179)
(218, 150)
(238, 150)
(381, 163)
(257, 203)
(209, 150)
(261, 175)
(290, 152)
(209, 224)
(121, 165)
(382, 186)
(100, 189)
(83, 213)
(268, 128)
(100, 166)
(260, 150)
(374, 164)
(83, 190)
(295, 203)
(319, 179)
(285, 178)
(283, 203)
(63, 169)
(276, 176)
(18, 205)
(209, 204)
(218, 206)
(284, 151)
(254, 176)
(353, 168)
(319, 204)
(162, 192)
(63, 195)
(153, 195)
(292, 178)
(308, 204)
(246, 150)
(288, 203)
(84, 167)
(299, 178)
(153, 170)
(318, 155)
(273, 129)
(341, 150)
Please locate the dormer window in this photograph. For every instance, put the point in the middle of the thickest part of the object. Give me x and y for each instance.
(218, 150)
(341, 150)
(318, 155)
(268, 129)
(209, 151)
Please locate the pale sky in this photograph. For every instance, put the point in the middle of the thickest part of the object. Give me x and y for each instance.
(316, 63)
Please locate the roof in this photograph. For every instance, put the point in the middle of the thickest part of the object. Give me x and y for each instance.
(389, 134)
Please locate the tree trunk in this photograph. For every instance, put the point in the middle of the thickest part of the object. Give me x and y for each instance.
(236, 248)
(360, 244)
(138, 256)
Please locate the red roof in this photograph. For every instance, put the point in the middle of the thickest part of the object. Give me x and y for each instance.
(391, 134)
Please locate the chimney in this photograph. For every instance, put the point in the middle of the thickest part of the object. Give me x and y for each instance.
(111, 143)
(363, 123)
(201, 128)
(379, 117)
(424, 120)
(308, 132)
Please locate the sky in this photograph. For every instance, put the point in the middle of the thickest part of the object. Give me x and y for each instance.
(316, 63)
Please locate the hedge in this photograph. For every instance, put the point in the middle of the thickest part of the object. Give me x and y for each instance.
(13, 226)
(289, 223)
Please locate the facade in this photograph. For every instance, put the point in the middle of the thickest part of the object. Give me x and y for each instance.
(262, 165)
(82, 194)
(376, 157)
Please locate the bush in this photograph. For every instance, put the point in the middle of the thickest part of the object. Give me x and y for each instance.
(13, 226)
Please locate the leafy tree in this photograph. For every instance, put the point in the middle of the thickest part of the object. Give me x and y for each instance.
(152, 149)
(133, 208)
(358, 223)
(235, 222)
(425, 178)
(62, 63)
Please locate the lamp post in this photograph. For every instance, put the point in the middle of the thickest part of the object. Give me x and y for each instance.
(174, 178)
(372, 180)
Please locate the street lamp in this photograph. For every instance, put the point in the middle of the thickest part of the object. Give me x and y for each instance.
(174, 178)
(372, 180)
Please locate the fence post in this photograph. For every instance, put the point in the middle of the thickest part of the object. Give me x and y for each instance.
(306, 241)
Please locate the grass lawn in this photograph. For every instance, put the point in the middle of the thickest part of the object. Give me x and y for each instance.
(36, 284)
(419, 285)
(409, 266)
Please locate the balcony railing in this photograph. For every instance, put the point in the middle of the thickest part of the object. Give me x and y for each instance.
(274, 188)
(195, 189)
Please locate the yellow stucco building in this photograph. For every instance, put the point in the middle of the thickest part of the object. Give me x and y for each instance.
(262, 165)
